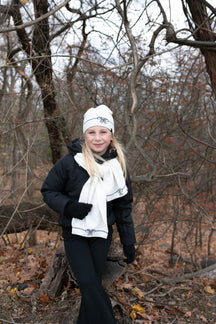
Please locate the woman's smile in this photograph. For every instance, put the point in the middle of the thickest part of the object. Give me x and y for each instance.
(98, 139)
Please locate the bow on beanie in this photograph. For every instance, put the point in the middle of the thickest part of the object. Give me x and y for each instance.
(99, 116)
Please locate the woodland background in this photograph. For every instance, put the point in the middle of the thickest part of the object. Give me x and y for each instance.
(154, 64)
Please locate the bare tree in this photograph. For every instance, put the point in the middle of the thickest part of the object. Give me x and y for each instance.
(38, 52)
(164, 112)
(200, 16)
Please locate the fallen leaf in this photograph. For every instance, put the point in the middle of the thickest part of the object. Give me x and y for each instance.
(188, 314)
(3, 258)
(138, 308)
(25, 277)
(12, 278)
(127, 285)
(13, 290)
(203, 319)
(43, 297)
(133, 315)
(189, 294)
(209, 290)
(138, 292)
(173, 310)
(146, 317)
(29, 289)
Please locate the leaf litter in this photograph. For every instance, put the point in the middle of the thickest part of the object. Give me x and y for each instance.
(138, 296)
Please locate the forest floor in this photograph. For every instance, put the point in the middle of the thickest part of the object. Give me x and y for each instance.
(147, 291)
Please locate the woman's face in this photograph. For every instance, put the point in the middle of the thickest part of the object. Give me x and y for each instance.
(98, 139)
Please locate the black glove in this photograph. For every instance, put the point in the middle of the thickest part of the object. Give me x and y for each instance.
(129, 252)
(77, 210)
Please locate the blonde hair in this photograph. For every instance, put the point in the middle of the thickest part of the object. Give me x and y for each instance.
(89, 157)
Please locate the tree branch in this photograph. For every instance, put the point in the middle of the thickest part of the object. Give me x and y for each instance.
(171, 38)
(34, 22)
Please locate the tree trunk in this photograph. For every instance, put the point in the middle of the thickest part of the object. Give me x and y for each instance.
(43, 73)
(203, 32)
(41, 63)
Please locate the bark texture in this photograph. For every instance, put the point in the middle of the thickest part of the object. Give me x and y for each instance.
(203, 32)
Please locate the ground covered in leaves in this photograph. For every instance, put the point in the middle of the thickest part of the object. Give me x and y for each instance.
(147, 292)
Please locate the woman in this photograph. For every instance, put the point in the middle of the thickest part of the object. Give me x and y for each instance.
(90, 189)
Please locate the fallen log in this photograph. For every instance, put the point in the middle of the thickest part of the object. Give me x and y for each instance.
(26, 216)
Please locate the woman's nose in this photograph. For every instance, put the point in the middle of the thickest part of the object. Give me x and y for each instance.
(97, 136)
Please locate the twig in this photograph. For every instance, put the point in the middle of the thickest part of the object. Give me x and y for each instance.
(31, 209)
(152, 290)
(6, 321)
(170, 290)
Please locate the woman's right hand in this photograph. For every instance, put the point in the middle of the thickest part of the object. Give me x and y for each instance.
(129, 252)
(77, 210)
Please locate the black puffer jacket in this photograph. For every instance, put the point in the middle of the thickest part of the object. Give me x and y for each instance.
(64, 182)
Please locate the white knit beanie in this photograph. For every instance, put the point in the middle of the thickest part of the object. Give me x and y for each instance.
(99, 116)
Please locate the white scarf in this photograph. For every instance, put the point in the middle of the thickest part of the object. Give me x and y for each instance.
(105, 186)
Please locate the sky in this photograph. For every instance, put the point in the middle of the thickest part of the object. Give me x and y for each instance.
(109, 29)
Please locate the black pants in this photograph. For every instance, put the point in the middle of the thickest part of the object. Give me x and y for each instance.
(87, 258)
